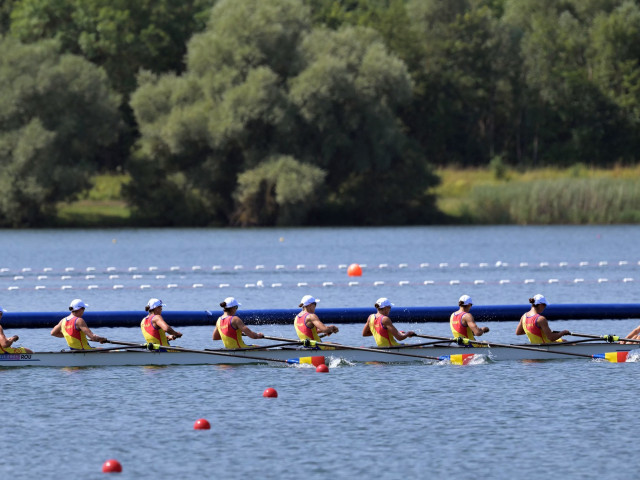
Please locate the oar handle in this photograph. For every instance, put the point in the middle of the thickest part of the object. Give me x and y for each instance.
(607, 338)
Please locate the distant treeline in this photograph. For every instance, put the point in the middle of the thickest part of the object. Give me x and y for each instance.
(297, 112)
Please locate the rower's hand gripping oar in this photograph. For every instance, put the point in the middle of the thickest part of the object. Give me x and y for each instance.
(614, 357)
(315, 360)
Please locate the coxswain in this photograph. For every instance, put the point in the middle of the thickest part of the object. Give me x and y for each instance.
(75, 330)
(535, 326)
(462, 323)
(5, 343)
(307, 323)
(154, 328)
(230, 327)
(379, 326)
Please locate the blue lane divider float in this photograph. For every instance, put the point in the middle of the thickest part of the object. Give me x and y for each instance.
(482, 313)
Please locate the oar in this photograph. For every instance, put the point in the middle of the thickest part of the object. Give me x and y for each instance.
(614, 357)
(316, 360)
(104, 349)
(458, 359)
(608, 338)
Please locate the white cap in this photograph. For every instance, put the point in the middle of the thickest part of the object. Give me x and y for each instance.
(383, 302)
(77, 304)
(3, 310)
(539, 298)
(154, 303)
(308, 300)
(231, 302)
(466, 300)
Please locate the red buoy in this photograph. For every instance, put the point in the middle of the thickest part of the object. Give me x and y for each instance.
(354, 270)
(202, 424)
(322, 368)
(270, 393)
(111, 466)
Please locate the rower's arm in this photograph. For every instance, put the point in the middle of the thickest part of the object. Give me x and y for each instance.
(366, 331)
(321, 327)
(216, 334)
(247, 331)
(6, 342)
(82, 325)
(386, 321)
(552, 336)
(520, 328)
(160, 323)
(477, 331)
(57, 331)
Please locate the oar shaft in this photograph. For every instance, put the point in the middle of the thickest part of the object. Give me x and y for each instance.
(608, 338)
(204, 352)
(519, 347)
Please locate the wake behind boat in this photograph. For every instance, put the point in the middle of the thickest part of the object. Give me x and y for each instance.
(126, 356)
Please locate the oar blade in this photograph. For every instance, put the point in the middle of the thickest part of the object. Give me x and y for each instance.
(458, 359)
(315, 361)
(613, 357)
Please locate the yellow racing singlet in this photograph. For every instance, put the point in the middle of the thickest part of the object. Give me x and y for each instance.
(380, 333)
(533, 331)
(76, 338)
(151, 333)
(306, 333)
(231, 337)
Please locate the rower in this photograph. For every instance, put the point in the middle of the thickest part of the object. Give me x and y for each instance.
(633, 335)
(462, 323)
(379, 326)
(230, 328)
(535, 326)
(5, 343)
(154, 328)
(74, 329)
(307, 323)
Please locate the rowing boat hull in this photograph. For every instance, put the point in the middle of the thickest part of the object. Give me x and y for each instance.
(144, 358)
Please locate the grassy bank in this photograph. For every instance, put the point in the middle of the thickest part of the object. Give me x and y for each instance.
(577, 195)
(495, 195)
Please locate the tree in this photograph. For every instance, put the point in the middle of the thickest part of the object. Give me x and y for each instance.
(56, 113)
(262, 84)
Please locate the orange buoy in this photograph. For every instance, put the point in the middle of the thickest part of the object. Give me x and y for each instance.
(354, 270)
(322, 368)
(270, 393)
(202, 424)
(111, 466)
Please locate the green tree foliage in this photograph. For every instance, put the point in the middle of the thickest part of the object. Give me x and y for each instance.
(119, 35)
(262, 86)
(279, 191)
(56, 113)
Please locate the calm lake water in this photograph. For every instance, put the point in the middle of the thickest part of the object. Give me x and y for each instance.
(565, 418)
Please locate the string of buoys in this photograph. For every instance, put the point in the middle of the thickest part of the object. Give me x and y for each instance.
(352, 269)
(376, 283)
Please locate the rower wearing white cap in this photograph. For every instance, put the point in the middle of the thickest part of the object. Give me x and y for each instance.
(230, 327)
(153, 326)
(462, 323)
(5, 343)
(74, 329)
(379, 326)
(307, 323)
(535, 326)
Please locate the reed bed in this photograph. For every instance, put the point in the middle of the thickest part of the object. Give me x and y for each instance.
(555, 201)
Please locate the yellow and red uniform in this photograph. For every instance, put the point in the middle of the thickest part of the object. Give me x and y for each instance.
(307, 333)
(75, 337)
(458, 329)
(153, 334)
(13, 350)
(380, 333)
(533, 331)
(231, 337)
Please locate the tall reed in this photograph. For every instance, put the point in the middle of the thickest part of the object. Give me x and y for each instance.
(559, 201)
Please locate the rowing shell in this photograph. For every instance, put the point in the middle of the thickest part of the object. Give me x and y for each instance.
(130, 357)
